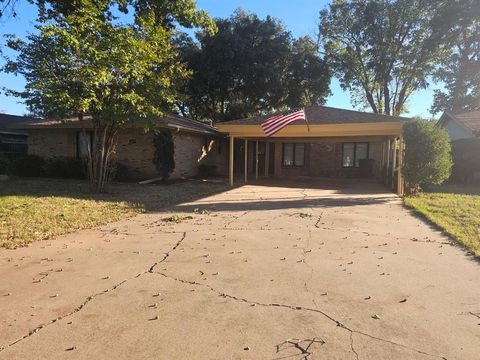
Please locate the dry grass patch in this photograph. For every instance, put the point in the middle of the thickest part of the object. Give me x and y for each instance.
(455, 210)
(38, 209)
(27, 218)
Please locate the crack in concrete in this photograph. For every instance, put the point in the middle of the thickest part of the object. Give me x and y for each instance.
(351, 346)
(167, 254)
(235, 218)
(296, 343)
(317, 223)
(91, 297)
(302, 308)
(74, 311)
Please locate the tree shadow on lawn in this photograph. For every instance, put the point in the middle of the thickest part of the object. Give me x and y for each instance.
(152, 197)
(178, 194)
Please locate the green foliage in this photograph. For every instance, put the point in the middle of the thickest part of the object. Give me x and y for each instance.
(250, 66)
(164, 153)
(82, 61)
(460, 72)
(120, 171)
(428, 157)
(3, 164)
(64, 167)
(382, 51)
(27, 165)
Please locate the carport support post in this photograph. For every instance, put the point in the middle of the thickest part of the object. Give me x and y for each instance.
(246, 160)
(394, 161)
(267, 157)
(400, 164)
(256, 160)
(387, 164)
(230, 164)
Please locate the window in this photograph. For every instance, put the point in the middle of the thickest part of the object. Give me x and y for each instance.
(353, 153)
(293, 155)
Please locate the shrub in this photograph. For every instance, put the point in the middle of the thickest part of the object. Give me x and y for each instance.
(27, 165)
(164, 153)
(428, 159)
(207, 170)
(64, 167)
(119, 171)
(3, 164)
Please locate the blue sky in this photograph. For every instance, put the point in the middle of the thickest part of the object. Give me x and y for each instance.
(299, 16)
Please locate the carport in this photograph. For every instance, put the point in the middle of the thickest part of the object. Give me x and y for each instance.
(335, 143)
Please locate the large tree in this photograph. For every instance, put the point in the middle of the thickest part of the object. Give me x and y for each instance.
(84, 62)
(382, 50)
(251, 66)
(460, 72)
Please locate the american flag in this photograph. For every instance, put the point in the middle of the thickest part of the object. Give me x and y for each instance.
(278, 122)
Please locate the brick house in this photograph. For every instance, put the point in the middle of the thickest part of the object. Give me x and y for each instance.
(195, 143)
(337, 144)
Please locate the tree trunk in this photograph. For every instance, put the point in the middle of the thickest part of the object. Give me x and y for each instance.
(100, 154)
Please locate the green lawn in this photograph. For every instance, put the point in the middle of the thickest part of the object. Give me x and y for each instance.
(39, 209)
(454, 209)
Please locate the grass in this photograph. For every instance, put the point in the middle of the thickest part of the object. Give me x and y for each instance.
(40, 209)
(454, 209)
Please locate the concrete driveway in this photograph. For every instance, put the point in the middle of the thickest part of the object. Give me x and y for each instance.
(322, 271)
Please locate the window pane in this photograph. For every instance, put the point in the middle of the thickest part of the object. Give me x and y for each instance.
(288, 154)
(348, 150)
(362, 153)
(299, 154)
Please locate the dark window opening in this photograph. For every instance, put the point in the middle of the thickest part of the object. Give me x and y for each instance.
(352, 153)
(293, 155)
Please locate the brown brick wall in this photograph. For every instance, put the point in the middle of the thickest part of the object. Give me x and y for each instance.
(192, 150)
(52, 142)
(323, 158)
(135, 149)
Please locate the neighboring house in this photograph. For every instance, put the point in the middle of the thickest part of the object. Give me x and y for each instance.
(461, 125)
(13, 140)
(464, 131)
(195, 143)
(333, 145)
(337, 144)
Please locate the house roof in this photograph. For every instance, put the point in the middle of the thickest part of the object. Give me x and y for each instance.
(320, 115)
(11, 124)
(169, 121)
(469, 119)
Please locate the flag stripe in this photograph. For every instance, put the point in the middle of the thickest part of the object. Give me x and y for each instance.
(274, 130)
(281, 124)
(272, 119)
(277, 122)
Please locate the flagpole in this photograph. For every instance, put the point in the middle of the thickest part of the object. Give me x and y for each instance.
(306, 121)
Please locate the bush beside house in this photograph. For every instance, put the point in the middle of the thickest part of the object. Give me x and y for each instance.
(428, 159)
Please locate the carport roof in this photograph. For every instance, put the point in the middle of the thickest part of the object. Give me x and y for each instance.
(320, 115)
